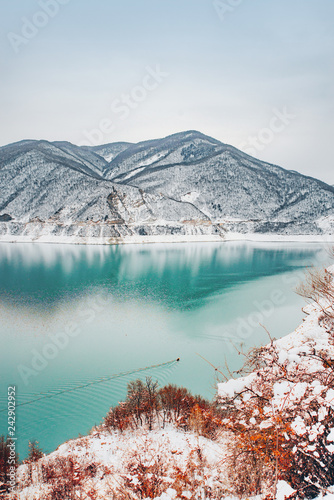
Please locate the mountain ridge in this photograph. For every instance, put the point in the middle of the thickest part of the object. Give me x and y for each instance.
(187, 185)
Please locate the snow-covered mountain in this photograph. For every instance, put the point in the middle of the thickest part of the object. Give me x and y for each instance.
(186, 186)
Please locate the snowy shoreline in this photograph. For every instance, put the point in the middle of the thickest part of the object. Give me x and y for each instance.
(168, 238)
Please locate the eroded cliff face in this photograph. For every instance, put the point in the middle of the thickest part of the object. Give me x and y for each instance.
(187, 186)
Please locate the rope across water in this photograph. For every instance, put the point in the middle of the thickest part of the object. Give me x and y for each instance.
(48, 395)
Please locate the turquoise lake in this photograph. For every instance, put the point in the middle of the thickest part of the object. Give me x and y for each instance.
(70, 315)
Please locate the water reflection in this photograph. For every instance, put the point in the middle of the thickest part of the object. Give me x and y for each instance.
(175, 276)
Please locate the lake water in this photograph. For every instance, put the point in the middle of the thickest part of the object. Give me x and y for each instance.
(71, 315)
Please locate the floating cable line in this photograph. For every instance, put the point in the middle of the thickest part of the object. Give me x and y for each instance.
(94, 382)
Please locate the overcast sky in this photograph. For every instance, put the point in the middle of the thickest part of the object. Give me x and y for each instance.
(256, 74)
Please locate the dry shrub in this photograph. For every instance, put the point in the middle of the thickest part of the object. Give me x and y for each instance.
(205, 420)
(318, 288)
(66, 478)
(265, 446)
(149, 475)
(256, 455)
(194, 480)
(146, 477)
(118, 418)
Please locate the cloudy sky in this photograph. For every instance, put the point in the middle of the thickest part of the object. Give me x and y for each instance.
(256, 74)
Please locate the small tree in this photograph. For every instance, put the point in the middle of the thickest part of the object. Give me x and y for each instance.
(135, 400)
(173, 402)
(151, 401)
(35, 452)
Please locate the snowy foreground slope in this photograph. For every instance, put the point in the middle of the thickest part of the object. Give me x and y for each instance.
(275, 436)
(110, 456)
(284, 408)
(185, 187)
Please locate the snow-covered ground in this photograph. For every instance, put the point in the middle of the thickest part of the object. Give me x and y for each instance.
(290, 394)
(118, 457)
(189, 233)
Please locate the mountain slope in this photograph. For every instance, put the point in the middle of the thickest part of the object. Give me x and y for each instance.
(108, 151)
(184, 147)
(187, 186)
(227, 184)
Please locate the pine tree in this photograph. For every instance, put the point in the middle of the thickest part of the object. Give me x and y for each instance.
(35, 452)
